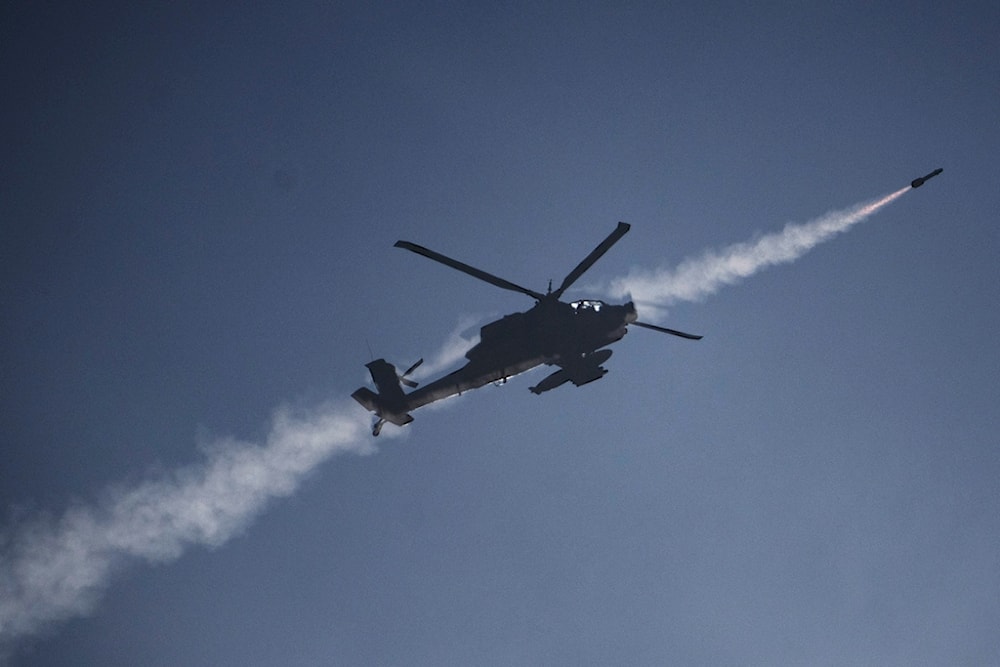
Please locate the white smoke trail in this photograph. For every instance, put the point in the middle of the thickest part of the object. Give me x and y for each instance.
(54, 570)
(695, 279)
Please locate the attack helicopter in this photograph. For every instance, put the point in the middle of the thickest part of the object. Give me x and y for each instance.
(553, 332)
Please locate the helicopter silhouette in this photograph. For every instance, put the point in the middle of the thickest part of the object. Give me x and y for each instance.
(570, 335)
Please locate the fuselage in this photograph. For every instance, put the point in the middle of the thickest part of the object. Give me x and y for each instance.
(552, 332)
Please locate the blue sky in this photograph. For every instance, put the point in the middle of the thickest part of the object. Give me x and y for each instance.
(198, 208)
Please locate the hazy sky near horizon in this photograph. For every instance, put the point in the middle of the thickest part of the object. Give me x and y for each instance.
(197, 214)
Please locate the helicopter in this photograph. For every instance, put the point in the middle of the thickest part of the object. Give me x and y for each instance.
(570, 335)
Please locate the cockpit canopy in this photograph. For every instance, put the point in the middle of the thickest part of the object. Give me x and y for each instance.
(588, 305)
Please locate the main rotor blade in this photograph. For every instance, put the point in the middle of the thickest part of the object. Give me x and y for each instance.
(674, 332)
(595, 255)
(465, 268)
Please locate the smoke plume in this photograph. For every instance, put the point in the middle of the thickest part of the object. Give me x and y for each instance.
(54, 569)
(694, 279)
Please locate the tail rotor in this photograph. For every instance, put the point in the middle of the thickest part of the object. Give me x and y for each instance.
(412, 384)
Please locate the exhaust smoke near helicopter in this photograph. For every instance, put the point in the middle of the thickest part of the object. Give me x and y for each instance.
(570, 335)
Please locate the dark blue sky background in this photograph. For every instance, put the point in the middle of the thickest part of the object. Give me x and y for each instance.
(197, 212)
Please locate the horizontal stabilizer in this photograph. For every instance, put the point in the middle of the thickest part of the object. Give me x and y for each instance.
(398, 420)
(367, 398)
(373, 403)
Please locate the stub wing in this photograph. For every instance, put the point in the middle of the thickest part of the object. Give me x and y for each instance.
(579, 371)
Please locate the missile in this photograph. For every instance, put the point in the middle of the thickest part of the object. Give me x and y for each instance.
(917, 182)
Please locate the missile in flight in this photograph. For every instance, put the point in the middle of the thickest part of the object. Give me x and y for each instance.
(917, 182)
